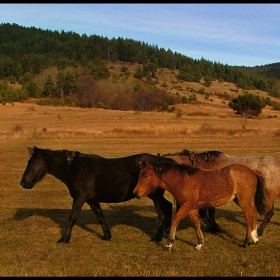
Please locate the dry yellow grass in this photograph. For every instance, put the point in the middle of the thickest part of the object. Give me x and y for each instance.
(31, 220)
(203, 126)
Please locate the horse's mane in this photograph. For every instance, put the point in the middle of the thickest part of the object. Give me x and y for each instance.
(197, 156)
(63, 151)
(155, 159)
(68, 154)
(164, 166)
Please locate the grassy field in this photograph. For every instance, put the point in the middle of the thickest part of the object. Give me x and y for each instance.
(32, 220)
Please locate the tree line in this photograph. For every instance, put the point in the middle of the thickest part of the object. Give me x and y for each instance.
(26, 51)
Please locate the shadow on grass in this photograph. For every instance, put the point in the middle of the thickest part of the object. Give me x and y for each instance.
(233, 217)
(116, 215)
(130, 215)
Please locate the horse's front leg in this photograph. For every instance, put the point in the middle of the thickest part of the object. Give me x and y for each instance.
(77, 205)
(196, 223)
(181, 213)
(164, 211)
(95, 206)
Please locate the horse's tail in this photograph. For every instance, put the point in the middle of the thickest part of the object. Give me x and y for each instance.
(260, 198)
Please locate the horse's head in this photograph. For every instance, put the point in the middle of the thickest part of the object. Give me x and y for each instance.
(148, 179)
(35, 169)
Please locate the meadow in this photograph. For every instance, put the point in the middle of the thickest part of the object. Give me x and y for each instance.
(32, 220)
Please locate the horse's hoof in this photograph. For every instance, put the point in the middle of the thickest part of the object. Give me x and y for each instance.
(168, 248)
(63, 240)
(198, 247)
(215, 230)
(156, 239)
(218, 229)
(254, 235)
(245, 245)
(106, 238)
(212, 231)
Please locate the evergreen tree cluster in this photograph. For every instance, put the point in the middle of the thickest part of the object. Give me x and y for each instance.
(26, 52)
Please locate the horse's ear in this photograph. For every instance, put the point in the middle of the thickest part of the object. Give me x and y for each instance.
(31, 150)
(142, 163)
(157, 168)
(158, 154)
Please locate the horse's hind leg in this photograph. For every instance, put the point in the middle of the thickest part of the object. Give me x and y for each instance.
(213, 227)
(269, 212)
(77, 205)
(250, 214)
(95, 206)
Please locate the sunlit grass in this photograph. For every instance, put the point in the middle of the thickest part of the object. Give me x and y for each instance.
(32, 220)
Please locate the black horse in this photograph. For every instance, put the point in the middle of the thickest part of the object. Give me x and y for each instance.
(93, 179)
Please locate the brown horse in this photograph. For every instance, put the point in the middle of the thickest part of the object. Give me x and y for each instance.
(194, 188)
(267, 167)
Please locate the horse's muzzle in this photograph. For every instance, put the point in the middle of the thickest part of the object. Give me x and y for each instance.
(25, 186)
(136, 194)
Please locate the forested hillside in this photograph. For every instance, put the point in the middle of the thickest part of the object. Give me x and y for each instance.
(65, 68)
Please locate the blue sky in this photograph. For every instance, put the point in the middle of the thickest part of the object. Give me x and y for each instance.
(233, 34)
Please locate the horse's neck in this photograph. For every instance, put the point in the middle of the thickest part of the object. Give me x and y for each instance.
(170, 180)
(59, 168)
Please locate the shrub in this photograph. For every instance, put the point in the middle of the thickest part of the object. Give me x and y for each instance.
(184, 99)
(276, 107)
(101, 105)
(171, 109)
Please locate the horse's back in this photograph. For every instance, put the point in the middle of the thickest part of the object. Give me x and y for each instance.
(222, 160)
(214, 163)
(107, 179)
(240, 169)
(206, 188)
(244, 178)
(267, 167)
